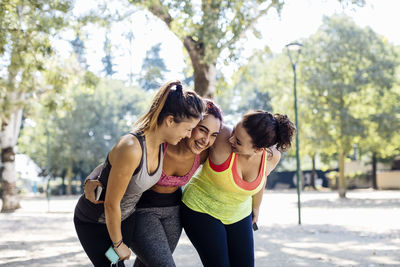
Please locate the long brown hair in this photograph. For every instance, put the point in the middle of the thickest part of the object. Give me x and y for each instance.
(176, 102)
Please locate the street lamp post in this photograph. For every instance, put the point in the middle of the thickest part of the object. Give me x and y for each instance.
(294, 50)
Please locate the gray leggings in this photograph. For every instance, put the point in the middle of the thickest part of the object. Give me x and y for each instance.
(156, 234)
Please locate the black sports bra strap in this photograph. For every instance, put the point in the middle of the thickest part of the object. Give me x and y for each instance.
(140, 137)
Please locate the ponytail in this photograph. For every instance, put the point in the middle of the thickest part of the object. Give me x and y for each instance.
(176, 102)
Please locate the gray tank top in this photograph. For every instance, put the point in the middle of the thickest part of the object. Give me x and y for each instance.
(141, 181)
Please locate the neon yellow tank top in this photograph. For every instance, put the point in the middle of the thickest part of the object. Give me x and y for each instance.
(219, 191)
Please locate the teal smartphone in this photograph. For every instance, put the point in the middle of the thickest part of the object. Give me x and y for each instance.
(112, 255)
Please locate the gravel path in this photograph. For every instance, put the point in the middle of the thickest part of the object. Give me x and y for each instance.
(362, 230)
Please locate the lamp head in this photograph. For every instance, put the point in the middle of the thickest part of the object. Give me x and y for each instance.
(294, 50)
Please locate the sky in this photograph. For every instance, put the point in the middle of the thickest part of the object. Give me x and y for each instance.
(298, 19)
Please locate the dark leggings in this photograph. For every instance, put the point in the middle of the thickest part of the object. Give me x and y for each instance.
(157, 233)
(95, 239)
(219, 244)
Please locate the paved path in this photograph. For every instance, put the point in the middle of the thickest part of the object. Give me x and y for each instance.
(362, 230)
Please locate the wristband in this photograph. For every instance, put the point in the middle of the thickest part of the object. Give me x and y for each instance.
(117, 244)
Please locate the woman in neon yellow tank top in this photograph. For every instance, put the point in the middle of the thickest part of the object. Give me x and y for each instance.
(221, 203)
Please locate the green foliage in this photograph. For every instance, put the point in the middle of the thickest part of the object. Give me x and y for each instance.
(347, 70)
(26, 29)
(153, 69)
(84, 131)
(214, 25)
(383, 124)
(250, 88)
(346, 86)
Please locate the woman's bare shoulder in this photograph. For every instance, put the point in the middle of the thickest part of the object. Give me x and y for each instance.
(276, 155)
(274, 160)
(127, 149)
(223, 135)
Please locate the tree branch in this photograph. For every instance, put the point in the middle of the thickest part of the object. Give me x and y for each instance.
(248, 26)
(161, 12)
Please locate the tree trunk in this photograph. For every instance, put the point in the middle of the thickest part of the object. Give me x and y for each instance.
(69, 178)
(205, 74)
(8, 138)
(313, 173)
(342, 178)
(374, 167)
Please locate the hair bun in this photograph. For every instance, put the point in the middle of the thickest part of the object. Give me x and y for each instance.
(285, 131)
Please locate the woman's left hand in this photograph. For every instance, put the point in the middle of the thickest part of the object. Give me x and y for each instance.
(123, 252)
(90, 188)
(255, 215)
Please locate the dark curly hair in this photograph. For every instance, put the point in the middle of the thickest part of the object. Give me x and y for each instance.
(267, 129)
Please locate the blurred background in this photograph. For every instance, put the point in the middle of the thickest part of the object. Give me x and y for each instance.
(76, 75)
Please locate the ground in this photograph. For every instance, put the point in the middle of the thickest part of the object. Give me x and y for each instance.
(362, 230)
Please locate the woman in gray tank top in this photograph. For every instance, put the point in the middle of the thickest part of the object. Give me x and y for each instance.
(132, 166)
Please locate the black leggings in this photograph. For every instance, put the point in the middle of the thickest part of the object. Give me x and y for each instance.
(95, 239)
(219, 244)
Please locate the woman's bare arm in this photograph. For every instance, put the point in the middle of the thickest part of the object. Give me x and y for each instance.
(257, 198)
(124, 158)
(221, 148)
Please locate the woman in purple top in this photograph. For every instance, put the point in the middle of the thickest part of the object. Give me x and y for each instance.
(157, 217)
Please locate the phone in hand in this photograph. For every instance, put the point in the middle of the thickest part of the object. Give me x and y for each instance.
(112, 255)
(255, 227)
(98, 191)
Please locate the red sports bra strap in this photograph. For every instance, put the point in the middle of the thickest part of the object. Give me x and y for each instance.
(222, 167)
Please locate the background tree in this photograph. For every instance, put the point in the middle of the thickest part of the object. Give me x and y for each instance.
(342, 65)
(266, 82)
(130, 37)
(153, 69)
(381, 116)
(82, 133)
(26, 28)
(248, 89)
(108, 58)
(78, 47)
(208, 27)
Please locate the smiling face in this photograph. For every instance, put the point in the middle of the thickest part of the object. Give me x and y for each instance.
(180, 130)
(241, 141)
(204, 134)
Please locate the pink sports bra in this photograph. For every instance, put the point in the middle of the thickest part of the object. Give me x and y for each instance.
(167, 180)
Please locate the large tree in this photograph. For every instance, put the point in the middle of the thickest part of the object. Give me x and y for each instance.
(26, 28)
(208, 27)
(345, 68)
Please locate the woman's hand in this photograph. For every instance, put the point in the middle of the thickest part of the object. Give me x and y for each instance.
(123, 252)
(255, 215)
(90, 188)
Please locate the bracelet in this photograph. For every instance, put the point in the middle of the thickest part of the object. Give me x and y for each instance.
(117, 244)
